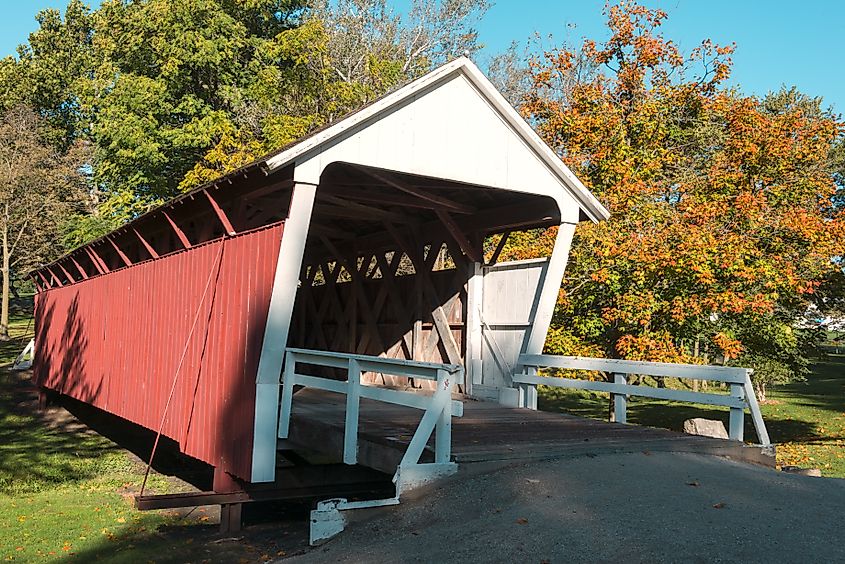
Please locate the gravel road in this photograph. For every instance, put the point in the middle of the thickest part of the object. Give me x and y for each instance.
(643, 507)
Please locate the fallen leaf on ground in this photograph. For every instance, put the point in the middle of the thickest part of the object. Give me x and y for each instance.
(227, 539)
(522, 521)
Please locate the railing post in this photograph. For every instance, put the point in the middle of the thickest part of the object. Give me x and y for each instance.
(353, 399)
(754, 408)
(443, 431)
(288, 378)
(529, 393)
(620, 401)
(736, 422)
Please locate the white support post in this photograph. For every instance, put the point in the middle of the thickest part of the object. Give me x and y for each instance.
(530, 392)
(475, 289)
(443, 431)
(736, 421)
(353, 400)
(620, 401)
(550, 289)
(285, 282)
(288, 382)
(754, 408)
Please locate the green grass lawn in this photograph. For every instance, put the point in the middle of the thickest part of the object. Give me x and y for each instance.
(806, 420)
(66, 493)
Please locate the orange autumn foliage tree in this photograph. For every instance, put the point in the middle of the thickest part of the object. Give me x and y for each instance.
(723, 217)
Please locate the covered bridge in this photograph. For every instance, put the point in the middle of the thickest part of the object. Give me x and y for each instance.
(365, 237)
(351, 261)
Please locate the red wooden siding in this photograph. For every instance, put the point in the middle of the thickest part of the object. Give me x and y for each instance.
(115, 341)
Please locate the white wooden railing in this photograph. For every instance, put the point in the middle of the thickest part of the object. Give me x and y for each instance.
(740, 397)
(438, 407)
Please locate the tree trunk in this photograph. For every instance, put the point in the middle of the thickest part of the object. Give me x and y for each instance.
(611, 409)
(761, 392)
(695, 354)
(4, 300)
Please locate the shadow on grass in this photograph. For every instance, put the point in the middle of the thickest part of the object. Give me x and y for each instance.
(44, 449)
(139, 441)
(274, 530)
(823, 389)
(37, 454)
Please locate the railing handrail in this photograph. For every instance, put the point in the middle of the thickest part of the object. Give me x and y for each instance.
(741, 394)
(396, 366)
(727, 374)
(439, 408)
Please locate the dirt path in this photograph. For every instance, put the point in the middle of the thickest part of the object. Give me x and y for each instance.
(645, 507)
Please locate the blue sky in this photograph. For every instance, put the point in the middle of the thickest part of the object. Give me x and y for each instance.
(778, 42)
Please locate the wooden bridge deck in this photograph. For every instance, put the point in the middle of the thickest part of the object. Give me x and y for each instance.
(487, 432)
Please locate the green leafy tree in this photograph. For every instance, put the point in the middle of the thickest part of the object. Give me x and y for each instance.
(167, 80)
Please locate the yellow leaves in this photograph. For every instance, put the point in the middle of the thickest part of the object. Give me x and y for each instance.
(653, 347)
(232, 150)
(730, 347)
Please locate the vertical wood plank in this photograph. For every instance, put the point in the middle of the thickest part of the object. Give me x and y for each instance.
(737, 417)
(620, 401)
(475, 292)
(443, 431)
(353, 401)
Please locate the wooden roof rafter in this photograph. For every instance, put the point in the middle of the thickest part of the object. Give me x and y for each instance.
(221, 215)
(460, 238)
(178, 231)
(529, 215)
(353, 192)
(439, 201)
(119, 252)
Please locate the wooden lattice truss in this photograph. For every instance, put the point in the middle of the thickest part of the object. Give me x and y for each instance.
(407, 303)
